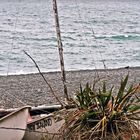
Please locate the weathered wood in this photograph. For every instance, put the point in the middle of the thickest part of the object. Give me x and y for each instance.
(53, 93)
(60, 48)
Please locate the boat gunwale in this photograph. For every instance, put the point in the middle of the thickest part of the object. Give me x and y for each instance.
(14, 112)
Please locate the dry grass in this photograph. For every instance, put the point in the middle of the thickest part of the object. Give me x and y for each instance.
(100, 115)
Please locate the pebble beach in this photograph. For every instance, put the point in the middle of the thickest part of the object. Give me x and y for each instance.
(30, 89)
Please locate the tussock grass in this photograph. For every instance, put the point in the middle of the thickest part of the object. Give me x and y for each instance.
(101, 115)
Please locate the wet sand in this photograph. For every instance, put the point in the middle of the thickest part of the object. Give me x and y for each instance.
(30, 89)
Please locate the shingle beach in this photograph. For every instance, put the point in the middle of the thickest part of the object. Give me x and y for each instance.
(30, 89)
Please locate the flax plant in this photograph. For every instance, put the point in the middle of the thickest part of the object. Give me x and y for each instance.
(103, 114)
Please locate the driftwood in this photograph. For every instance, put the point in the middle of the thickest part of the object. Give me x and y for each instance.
(44, 78)
(60, 48)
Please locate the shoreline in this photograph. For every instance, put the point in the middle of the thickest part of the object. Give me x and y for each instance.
(30, 89)
(56, 71)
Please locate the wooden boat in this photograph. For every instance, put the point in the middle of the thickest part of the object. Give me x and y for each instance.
(34, 110)
(44, 128)
(13, 125)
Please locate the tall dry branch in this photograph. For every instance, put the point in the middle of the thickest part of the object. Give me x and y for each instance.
(60, 48)
(51, 89)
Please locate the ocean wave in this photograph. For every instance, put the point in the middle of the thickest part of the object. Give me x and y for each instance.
(119, 37)
(30, 26)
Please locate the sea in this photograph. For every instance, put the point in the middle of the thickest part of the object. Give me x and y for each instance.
(96, 34)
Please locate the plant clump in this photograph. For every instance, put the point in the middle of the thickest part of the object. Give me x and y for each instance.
(103, 115)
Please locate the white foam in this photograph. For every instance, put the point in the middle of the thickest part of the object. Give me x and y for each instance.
(28, 72)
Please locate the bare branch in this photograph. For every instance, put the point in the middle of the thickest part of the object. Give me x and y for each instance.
(44, 78)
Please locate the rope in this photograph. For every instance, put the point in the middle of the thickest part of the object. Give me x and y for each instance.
(93, 35)
(13, 39)
(27, 130)
(83, 28)
(12, 47)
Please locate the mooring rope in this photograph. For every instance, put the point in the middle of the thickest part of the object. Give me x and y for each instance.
(13, 39)
(83, 28)
(10, 52)
(93, 34)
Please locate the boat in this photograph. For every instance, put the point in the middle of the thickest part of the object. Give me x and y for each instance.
(38, 128)
(35, 110)
(13, 125)
(43, 128)
(49, 126)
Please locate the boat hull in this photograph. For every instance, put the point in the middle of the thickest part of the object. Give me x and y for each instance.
(13, 125)
(44, 128)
